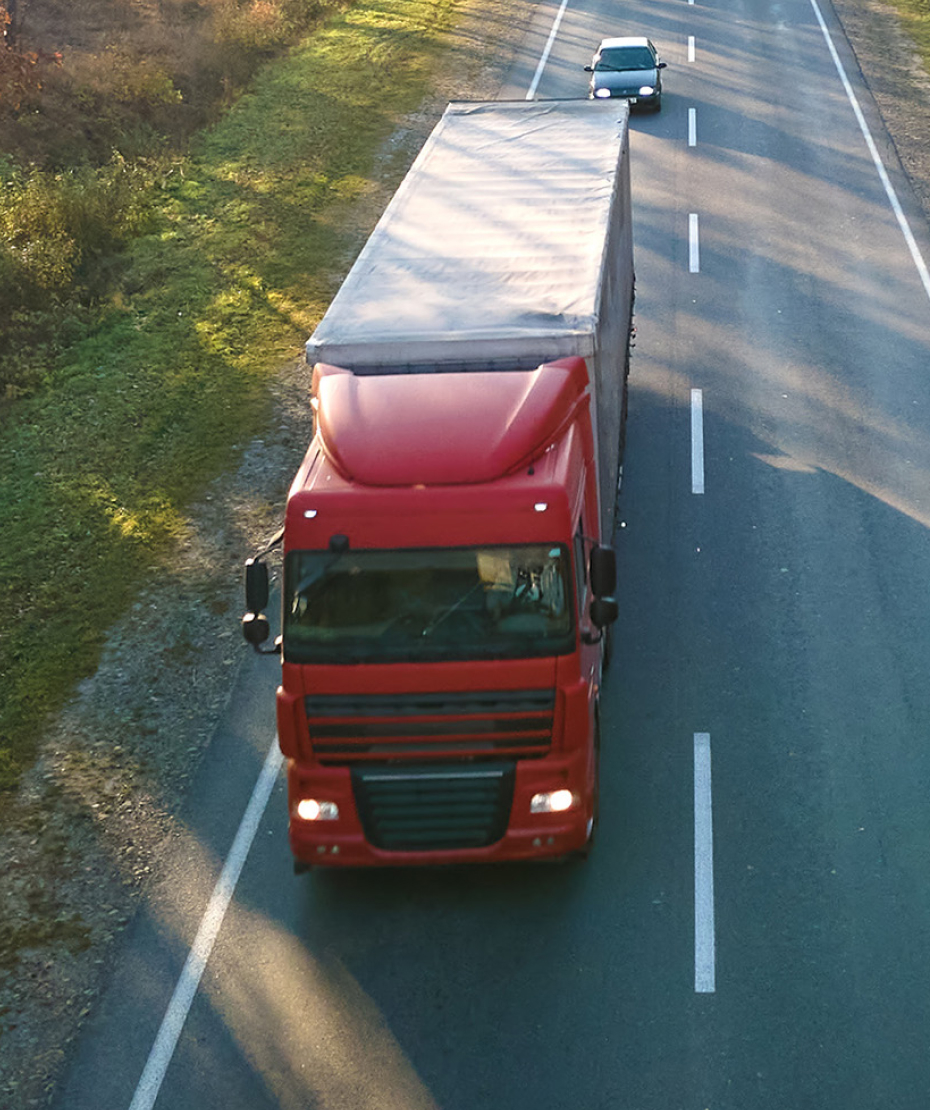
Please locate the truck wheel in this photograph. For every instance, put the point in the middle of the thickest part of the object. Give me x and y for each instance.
(583, 853)
(607, 649)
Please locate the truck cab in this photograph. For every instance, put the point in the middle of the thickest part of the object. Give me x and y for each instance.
(445, 595)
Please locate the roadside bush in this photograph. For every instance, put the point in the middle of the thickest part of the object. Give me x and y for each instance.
(263, 24)
(20, 70)
(58, 231)
(53, 225)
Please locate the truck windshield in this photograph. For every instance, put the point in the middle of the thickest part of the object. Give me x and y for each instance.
(427, 604)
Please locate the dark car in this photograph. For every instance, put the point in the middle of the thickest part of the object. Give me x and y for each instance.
(627, 68)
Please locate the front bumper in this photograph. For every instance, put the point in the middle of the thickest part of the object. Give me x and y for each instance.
(632, 98)
(343, 842)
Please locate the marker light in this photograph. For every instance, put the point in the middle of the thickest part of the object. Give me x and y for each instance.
(553, 801)
(309, 809)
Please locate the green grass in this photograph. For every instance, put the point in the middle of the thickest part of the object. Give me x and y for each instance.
(915, 15)
(137, 414)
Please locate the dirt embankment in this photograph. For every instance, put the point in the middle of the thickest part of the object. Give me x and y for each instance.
(79, 843)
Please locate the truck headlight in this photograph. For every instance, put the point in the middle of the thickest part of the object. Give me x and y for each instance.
(310, 809)
(552, 801)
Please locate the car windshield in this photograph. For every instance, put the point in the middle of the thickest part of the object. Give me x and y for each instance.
(427, 604)
(624, 57)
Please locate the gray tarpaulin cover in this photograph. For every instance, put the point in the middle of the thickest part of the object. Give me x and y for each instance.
(493, 247)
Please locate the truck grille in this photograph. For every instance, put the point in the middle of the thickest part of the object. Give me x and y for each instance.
(411, 808)
(359, 727)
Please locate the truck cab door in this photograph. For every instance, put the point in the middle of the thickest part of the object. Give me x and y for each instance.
(589, 634)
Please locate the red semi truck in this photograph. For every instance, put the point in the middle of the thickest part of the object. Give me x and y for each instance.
(448, 577)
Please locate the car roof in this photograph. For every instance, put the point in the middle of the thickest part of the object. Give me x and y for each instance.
(607, 44)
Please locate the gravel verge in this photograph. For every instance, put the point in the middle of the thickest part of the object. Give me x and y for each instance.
(898, 81)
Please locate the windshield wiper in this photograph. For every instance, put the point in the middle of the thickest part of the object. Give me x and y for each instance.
(433, 624)
(316, 574)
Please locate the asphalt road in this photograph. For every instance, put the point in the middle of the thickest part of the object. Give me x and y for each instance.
(772, 648)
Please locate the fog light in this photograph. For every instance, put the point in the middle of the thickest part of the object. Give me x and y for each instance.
(309, 809)
(553, 801)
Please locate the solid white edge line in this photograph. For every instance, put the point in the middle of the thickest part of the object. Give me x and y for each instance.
(183, 997)
(697, 441)
(704, 944)
(545, 54)
(692, 127)
(690, 48)
(694, 248)
(876, 157)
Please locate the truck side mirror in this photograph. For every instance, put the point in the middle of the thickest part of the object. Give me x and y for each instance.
(256, 629)
(603, 571)
(256, 586)
(603, 611)
(255, 626)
